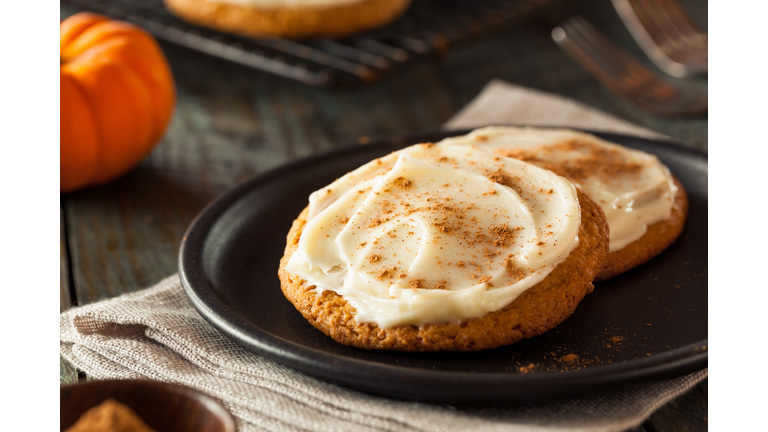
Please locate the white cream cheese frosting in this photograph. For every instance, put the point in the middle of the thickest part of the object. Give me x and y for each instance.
(633, 188)
(272, 4)
(433, 234)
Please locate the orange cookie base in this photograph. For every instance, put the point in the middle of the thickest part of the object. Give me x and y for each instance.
(293, 23)
(535, 311)
(658, 237)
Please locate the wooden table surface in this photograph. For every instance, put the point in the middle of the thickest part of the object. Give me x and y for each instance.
(232, 122)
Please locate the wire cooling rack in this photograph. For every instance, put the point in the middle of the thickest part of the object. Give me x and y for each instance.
(429, 27)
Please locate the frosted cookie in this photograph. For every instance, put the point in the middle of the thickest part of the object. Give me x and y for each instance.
(443, 248)
(293, 19)
(645, 205)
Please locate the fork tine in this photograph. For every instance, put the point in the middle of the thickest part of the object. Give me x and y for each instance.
(615, 65)
(679, 19)
(575, 30)
(605, 73)
(671, 24)
(621, 73)
(633, 78)
(666, 34)
(658, 25)
(625, 78)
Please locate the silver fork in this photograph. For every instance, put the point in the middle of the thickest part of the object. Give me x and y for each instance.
(622, 74)
(666, 34)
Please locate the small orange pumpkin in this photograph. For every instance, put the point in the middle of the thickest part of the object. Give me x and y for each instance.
(117, 96)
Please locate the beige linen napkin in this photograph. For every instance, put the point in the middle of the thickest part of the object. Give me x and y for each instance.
(157, 334)
(502, 103)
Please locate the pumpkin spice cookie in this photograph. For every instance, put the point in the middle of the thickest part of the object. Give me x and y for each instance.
(658, 237)
(645, 205)
(293, 19)
(435, 248)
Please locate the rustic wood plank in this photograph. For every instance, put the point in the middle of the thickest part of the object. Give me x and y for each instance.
(64, 288)
(67, 372)
(230, 124)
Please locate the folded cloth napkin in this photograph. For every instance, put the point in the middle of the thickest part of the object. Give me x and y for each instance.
(157, 334)
(501, 103)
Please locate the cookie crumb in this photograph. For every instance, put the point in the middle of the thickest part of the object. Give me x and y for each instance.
(403, 183)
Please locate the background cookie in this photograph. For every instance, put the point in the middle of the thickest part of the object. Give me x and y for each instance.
(333, 21)
(535, 311)
(658, 237)
(645, 212)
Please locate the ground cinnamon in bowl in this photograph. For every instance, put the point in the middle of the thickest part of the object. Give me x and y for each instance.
(110, 416)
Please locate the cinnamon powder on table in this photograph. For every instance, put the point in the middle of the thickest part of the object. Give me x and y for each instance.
(110, 416)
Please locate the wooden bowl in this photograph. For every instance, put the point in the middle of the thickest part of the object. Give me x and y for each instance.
(164, 407)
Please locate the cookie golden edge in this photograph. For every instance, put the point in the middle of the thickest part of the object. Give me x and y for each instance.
(536, 310)
(293, 23)
(656, 239)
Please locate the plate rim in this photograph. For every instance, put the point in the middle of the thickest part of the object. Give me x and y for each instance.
(383, 378)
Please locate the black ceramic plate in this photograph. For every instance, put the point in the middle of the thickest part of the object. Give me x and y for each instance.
(647, 325)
